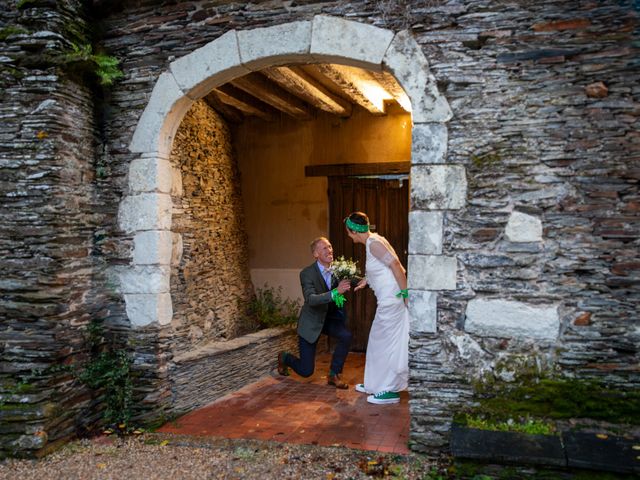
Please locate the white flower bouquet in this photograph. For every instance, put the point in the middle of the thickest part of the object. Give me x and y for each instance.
(344, 269)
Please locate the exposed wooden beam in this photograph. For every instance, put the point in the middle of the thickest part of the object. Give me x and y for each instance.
(268, 92)
(391, 85)
(244, 102)
(300, 83)
(229, 113)
(351, 169)
(358, 85)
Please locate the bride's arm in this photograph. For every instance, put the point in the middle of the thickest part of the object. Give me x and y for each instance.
(382, 253)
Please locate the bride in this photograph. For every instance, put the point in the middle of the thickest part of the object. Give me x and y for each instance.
(386, 369)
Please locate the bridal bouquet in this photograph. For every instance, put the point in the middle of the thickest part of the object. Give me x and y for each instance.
(343, 269)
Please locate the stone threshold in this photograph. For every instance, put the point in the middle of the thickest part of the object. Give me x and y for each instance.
(572, 449)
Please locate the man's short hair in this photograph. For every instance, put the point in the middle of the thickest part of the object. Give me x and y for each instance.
(315, 242)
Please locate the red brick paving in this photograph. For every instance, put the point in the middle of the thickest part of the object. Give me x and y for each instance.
(304, 410)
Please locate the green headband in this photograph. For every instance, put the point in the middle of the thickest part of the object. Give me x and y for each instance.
(356, 227)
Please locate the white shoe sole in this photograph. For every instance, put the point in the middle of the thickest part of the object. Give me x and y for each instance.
(360, 388)
(377, 401)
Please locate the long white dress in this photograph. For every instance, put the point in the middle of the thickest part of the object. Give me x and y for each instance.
(387, 361)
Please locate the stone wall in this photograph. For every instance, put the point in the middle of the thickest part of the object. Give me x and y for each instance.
(210, 282)
(545, 103)
(49, 224)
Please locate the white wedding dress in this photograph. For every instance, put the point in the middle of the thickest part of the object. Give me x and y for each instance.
(387, 361)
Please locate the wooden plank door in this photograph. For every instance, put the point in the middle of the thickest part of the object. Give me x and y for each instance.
(386, 202)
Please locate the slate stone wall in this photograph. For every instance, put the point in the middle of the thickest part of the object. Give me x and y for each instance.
(210, 282)
(545, 103)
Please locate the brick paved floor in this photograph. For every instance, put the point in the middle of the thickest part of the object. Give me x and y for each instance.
(304, 410)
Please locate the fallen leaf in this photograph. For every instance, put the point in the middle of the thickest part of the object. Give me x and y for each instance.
(101, 465)
(42, 134)
(164, 443)
(602, 436)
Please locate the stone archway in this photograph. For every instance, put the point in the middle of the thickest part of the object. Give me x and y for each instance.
(145, 212)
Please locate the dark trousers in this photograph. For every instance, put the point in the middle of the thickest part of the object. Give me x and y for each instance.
(334, 327)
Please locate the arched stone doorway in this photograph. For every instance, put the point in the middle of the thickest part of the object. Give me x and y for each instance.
(145, 212)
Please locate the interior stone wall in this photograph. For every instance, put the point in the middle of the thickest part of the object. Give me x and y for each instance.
(210, 282)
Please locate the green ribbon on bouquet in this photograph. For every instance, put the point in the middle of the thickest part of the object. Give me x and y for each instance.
(338, 298)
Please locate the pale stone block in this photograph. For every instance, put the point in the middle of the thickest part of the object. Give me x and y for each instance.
(161, 118)
(145, 279)
(277, 45)
(150, 174)
(146, 211)
(504, 318)
(423, 311)
(438, 187)
(425, 232)
(523, 228)
(429, 143)
(210, 66)
(432, 272)
(405, 60)
(152, 247)
(335, 40)
(176, 250)
(145, 309)
(176, 182)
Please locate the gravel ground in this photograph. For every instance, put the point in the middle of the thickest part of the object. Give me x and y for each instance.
(155, 456)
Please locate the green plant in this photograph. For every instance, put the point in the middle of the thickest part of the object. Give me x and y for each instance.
(527, 425)
(271, 309)
(11, 30)
(109, 371)
(104, 66)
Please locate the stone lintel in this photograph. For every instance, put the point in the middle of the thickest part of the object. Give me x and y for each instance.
(210, 66)
(432, 272)
(278, 45)
(335, 40)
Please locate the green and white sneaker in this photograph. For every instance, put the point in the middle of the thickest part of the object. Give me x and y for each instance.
(383, 398)
(360, 388)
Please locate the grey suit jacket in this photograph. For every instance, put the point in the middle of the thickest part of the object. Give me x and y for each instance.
(317, 298)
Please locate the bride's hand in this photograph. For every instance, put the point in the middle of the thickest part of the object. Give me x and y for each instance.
(361, 284)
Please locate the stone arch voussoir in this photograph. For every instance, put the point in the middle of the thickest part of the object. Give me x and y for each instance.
(146, 211)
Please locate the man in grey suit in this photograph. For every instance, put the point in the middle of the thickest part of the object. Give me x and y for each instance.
(319, 314)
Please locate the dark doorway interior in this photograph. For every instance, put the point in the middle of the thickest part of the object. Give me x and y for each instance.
(385, 199)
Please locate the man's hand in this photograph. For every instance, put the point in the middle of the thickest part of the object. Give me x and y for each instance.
(343, 286)
(361, 284)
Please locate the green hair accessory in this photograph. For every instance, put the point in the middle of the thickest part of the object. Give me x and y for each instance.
(356, 227)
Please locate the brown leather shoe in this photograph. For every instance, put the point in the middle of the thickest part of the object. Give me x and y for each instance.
(282, 367)
(337, 382)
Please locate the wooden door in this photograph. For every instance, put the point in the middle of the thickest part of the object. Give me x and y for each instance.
(386, 202)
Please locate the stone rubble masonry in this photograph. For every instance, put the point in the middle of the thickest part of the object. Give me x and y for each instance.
(503, 95)
(210, 282)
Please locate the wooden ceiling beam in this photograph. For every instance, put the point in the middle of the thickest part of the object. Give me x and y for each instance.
(358, 85)
(269, 92)
(244, 102)
(229, 113)
(295, 80)
(391, 85)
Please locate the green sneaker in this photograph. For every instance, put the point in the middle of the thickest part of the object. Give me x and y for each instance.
(383, 398)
